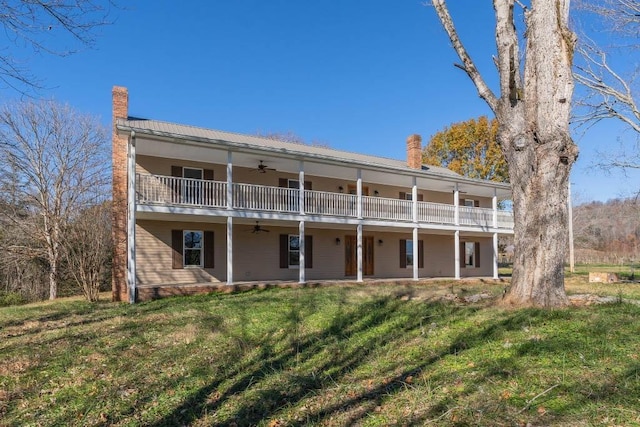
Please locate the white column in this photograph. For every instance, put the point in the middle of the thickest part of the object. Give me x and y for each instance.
(301, 268)
(359, 193)
(456, 242)
(359, 251)
(229, 180)
(456, 205)
(301, 186)
(572, 258)
(414, 198)
(416, 263)
(494, 205)
(495, 255)
(131, 218)
(229, 250)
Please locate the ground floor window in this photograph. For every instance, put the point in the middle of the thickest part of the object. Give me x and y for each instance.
(192, 248)
(192, 245)
(406, 253)
(290, 251)
(471, 253)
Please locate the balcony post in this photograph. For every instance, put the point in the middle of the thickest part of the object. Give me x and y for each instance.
(131, 220)
(456, 205)
(359, 196)
(456, 244)
(495, 255)
(301, 187)
(494, 205)
(229, 250)
(416, 262)
(359, 252)
(301, 269)
(229, 180)
(414, 198)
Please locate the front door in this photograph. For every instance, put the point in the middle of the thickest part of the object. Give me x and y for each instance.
(351, 256)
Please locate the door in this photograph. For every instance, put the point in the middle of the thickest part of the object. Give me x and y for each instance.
(351, 255)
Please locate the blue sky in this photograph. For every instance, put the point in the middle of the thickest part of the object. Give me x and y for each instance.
(359, 75)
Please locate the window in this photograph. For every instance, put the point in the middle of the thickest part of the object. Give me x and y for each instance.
(192, 245)
(406, 253)
(192, 248)
(409, 196)
(192, 189)
(192, 173)
(293, 183)
(290, 251)
(294, 251)
(471, 203)
(471, 253)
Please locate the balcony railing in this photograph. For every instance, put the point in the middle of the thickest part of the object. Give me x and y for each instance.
(167, 190)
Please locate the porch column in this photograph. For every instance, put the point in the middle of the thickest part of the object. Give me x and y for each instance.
(229, 250)
(301, 187)
(456, 243)
(131, 220)
(301, 277)
(229, 180)
(359, 195)
(359, 251)
(456, 205)
(416, 264)
(495, 255)
(494, 205)
(414, 198)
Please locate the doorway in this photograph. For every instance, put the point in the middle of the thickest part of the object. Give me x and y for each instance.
(351, 256)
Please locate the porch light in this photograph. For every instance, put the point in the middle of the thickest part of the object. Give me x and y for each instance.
(380, 242)
(337, 240)
(340, 189)
(376, 193)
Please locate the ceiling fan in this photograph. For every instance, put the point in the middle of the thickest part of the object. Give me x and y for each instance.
(262, 168)
(258, 229)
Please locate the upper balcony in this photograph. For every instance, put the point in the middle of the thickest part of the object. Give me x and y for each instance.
(186, 192)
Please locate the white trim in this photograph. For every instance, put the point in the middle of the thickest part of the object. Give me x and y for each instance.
(359, 192)
(456, 244)
(301, 266)
(230, 250)
(301, 187)
(495, 255)
(416, 260)
(359, 252)
(131, 218)
(456, 205)
(193, 169)
(229, 180)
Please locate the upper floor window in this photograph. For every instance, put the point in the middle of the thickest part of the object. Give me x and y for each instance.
(194, 173)
(471, 203)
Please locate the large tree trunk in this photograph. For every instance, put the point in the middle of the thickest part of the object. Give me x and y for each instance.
(533, 114)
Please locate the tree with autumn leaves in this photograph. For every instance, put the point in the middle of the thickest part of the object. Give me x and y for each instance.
(469, 148)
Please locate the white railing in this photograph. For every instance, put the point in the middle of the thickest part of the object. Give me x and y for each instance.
(436, 213)
(266, 198)
(335, 204)
(476, 216)
(167, 190)
(158, 189)
(383, 208)
(505, 220)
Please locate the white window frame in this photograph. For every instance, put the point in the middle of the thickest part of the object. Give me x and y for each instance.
(472, 252)
(290, 183)
(289, 251)
(470, 203)
(185, 249)
(184, 169)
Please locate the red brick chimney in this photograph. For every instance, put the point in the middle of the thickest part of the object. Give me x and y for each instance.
(120, 106)
(414, 151)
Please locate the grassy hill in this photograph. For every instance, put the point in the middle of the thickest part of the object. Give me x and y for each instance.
(356, 355)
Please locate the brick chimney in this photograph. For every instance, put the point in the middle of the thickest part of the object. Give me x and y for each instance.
(120, 107)
(414, 151)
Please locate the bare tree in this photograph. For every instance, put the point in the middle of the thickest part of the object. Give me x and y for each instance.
(87, 248)
(532, 110)
(52, 27)
(54, 159)
(611, 88)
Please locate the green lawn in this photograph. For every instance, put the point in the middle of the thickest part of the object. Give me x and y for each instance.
(353, 355)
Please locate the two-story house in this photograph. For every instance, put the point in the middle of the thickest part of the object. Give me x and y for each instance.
(197, 207)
